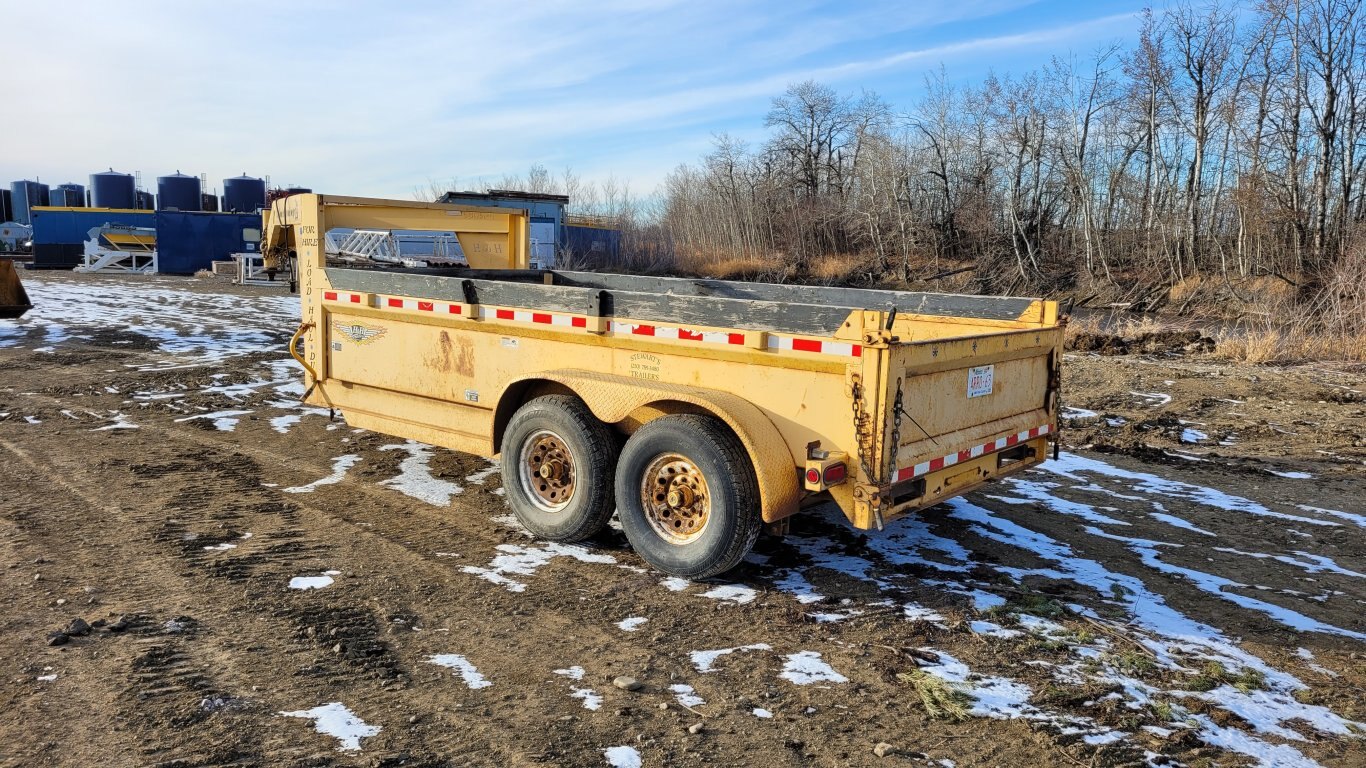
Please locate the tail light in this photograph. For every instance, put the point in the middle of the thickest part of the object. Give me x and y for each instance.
(824, 472)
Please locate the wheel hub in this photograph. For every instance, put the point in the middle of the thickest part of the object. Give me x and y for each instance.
(547, 470)
(675, 497)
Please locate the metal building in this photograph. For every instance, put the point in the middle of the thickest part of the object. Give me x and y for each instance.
(24, 195)
(68, 195)
(208, 202)
(178, 192)
(111, 189)
(145, 201)
(546, 212)
(243, 194)
(6, 207)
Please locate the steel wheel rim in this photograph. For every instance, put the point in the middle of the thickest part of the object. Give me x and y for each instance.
(675, 498)
(545, 470)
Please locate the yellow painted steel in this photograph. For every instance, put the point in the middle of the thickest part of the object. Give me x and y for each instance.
(455, 379)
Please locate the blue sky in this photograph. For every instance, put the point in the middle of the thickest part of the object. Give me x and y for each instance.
(377, 99)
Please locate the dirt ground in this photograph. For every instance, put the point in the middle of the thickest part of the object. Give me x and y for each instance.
(267, 586)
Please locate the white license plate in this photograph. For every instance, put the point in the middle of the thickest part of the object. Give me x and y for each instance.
(980, 380)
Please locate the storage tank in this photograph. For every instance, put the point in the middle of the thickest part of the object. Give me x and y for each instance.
(145, 201)
(244, 194)
(6, 208)
(111, 189)
(298, 191)
(24, 195)
(178, 192)
(208, 202)
(69, 195)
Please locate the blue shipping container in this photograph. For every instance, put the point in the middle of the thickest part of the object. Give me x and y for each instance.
(71, 226)
(188, 242)
(593, 242)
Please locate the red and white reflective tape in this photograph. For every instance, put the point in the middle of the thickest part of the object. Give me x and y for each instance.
(675, 333)
(679, 334)
(788, 343)
(345, 298)
(934, 465)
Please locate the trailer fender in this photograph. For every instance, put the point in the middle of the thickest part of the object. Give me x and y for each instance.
(612, 399)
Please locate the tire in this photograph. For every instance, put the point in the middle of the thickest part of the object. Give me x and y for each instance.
(572, 501)
(683, 460)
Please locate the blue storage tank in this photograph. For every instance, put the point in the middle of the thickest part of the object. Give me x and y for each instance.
(244, 194)
(188, 242)
(24, 195)
(601, 246)
(208, 202)
(111, 189)
(67, 195)
(178, 192)
(145, 201)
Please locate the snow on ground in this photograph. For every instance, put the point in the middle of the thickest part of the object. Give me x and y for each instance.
(415, 476)
(339, 467)
(622, 757)
(339, 722)
(197, 328)
(313, 582)
(462, 667)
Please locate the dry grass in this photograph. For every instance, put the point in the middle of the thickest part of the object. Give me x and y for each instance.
(840, 269)
(940, 699)
(1292, 344)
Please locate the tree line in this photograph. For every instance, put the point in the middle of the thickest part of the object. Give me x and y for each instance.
(1227, 143)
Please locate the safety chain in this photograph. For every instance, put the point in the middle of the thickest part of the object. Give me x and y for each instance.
(862, 434)
(896, 433)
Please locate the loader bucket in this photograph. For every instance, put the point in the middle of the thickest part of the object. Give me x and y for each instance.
(13, 299)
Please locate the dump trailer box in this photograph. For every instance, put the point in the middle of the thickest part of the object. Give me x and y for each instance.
(697, 410)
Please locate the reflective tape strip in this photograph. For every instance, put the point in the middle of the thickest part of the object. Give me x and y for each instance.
(788, 343)
(674, 333)
(345, 298)
(934, 465)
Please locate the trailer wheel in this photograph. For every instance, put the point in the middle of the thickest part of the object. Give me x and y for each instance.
(687, 496)
(557, 462)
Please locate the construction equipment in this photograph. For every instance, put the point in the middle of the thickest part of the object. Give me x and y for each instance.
(118, 248)
(738, 403)
(14, 301)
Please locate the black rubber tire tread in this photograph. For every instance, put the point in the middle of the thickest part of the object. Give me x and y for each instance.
(594, 447)
(730, 478)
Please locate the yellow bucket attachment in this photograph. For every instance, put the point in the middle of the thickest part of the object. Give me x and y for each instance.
(13, 299)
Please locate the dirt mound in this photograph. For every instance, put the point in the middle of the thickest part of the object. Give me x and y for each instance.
(1152, 343)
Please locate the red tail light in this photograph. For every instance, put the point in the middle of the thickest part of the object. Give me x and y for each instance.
(834, 474)
(813, 476)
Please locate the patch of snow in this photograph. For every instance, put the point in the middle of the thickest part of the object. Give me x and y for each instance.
(120, 422)
(1069, 412)
(223, 421)
(704, 660)
(1154, 399)
(223, 547)
(1349, 516)
(990, 629)
(807, 667)
(591, 698)
(339, 722)
(313, 582)
(415, 477)
(524, 561)
(762, 713)
(733, 593)
(1292, 474)
(622, 757)
(632, 624)
(339, 467)
(573, 673)
(1189, 435)
(463, 667)
(479, 477)
(686, 695)
(46, 678)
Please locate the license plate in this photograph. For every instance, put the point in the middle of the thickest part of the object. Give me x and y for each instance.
(980, 380)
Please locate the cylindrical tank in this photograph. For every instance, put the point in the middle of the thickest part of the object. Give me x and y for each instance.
(145, 201)
(208, 202)
(111, 189)
(67, 195)
(297, 190)
(178, 192)
(24, 195)
(243, 194)
(6, 208)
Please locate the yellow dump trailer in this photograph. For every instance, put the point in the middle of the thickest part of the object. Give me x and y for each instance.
(699, 410)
